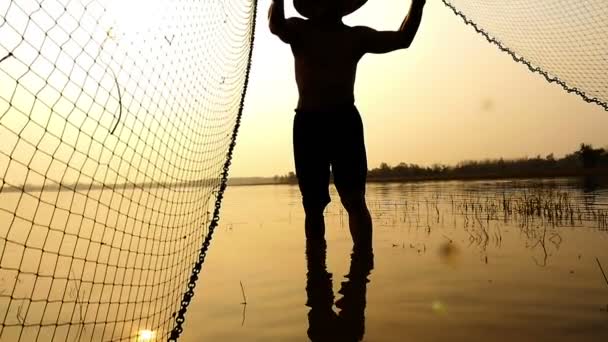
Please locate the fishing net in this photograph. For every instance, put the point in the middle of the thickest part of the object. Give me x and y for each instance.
(117, 123)
(565, 41)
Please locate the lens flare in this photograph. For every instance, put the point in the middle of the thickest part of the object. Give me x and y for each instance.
(438, 307)
(146, 335)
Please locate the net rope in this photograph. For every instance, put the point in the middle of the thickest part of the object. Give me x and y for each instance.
(564, 41)
(118, 119)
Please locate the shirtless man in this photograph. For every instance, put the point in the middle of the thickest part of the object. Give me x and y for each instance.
(327, 128)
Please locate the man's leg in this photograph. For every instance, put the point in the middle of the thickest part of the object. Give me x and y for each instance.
(349, 165)
(312, 170)
(314, 223)
(359, 220)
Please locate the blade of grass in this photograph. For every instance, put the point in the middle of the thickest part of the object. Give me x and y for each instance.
(601, 269)
(243, 293)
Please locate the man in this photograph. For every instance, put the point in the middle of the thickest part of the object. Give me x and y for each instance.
(327, 129)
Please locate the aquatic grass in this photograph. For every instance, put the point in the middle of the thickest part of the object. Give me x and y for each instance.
(549, 205)
(243, 303)
(537, 212)
(599, 264)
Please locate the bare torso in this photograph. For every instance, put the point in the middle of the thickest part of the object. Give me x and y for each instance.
(326, 60)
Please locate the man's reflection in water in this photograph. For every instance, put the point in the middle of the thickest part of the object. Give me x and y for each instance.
(324, 323)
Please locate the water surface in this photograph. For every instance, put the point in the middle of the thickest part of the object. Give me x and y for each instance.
(477, 261)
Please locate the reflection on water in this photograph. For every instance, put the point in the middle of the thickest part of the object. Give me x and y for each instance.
(324, 323)
(480, 261)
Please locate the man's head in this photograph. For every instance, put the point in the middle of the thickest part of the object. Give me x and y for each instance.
(327, 9)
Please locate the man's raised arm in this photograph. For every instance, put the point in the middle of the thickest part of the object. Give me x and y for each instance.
(285, 29)
(373, 41)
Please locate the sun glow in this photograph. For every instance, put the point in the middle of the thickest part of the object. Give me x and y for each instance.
(145, 335)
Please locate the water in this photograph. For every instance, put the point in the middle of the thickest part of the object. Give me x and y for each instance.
(479, 261)
(492, 260)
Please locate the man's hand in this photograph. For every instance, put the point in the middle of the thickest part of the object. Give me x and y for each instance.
(285, 29)
(386, 41)
(276, 15)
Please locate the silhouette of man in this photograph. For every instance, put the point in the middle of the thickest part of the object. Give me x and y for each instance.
(327, 130)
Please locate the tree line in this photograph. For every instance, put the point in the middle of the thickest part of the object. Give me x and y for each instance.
(586, 159)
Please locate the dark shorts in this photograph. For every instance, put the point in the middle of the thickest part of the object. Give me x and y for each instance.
(324, 139)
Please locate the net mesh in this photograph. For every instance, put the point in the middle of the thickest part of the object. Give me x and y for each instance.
(565, 41)
(117, 122)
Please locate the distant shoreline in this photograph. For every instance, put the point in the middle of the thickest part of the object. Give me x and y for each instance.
(596, 172)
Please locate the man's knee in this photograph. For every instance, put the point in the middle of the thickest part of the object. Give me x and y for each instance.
(314, 208)
(354, 203)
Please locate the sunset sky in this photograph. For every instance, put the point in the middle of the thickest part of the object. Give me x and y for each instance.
(451, 96)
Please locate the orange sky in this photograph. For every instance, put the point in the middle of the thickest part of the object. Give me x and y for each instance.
(451, 96)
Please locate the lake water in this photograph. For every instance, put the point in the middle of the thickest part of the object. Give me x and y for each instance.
(481, 261)
(459, 261)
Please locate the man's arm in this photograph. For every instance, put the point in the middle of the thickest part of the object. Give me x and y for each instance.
(373, 41)
(285, 29)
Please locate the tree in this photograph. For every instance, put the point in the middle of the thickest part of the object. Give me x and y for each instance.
(589, 156)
